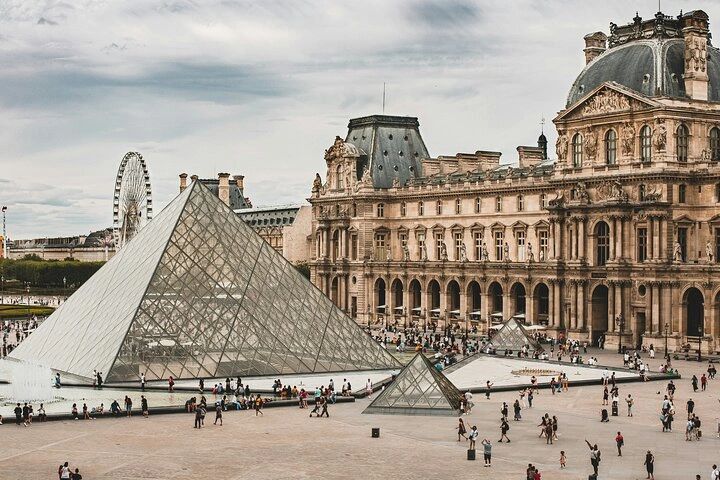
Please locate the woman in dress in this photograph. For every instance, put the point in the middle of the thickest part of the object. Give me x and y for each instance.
(650, 465)
(462, 431)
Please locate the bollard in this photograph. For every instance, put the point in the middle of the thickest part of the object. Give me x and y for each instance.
(375, 433)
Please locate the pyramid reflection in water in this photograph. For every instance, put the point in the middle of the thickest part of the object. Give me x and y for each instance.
(197, 293)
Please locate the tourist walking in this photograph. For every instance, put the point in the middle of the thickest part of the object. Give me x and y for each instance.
(198, 417)
(461, 429)
(504, 428)
(128, 406)
(516, 411)
(258, 405)
(369, 388)
(650, 465)
(563, 459)
(144, 406)
(487, 452)
(703, 382)
(630, 402)
(619, 442)
(504, 410)
(18, 414)
(218, 413)
(694, 382)
(171, 384)
(142, 382)
(488, 387)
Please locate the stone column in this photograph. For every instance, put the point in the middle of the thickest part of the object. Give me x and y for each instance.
(581, 238)
(506, 303)
(619, 300)
(657, 327)
(559, 314)
(464, 315)
(407, 315)
(530, 309)
(424, 310)
(611, 307)
(620, 237)
(551, 304)
(557, 241)
(573, 304)
(650, 321)
(485, 307)
(657, 231)
(581, 305)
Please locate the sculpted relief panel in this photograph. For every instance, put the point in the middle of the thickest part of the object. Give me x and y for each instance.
(606, 101)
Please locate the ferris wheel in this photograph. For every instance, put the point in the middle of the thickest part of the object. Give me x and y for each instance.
(132, 202)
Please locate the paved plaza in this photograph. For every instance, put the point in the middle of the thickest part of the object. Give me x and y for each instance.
(285, 442)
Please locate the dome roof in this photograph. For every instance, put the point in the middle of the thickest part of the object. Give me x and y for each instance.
(648, 57)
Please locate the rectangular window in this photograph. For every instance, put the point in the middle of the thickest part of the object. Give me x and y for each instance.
(642, 244)
(458, 206)
(403, 209)
(520, 237)
(438, 207)
(403, 239)
(543, 200)
(381, 210)
(498, 204)
(544, 244)
(520, 203)
(438, 245)
(458, 243)
(682, 236)
(421, 209)
(682, 190)
(477, 244)
(421, 241)
(380, 246)
(478, 204)
(353, 307)
(499, 240)
(354, 247)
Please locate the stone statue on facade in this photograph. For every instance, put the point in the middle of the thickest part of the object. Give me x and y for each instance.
(406, 253)
(423, 253)
(582, 193)
(542, 255)
(485, 253)
(388, 254)
(709, 251)
(628, 140)
(530, 254)
(396, 182)
(443, 252)
(506, 252)
(317, 183)
(660, 137)
(677, 252)
(367, 177)
(463, 252)
(590, 145)
(561, 147)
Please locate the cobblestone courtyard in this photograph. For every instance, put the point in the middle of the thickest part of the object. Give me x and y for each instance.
(286, 443)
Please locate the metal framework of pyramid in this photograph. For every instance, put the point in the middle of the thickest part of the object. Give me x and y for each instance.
(419, 389)
(198, 294)
(513, 336)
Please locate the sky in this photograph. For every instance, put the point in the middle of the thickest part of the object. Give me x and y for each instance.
(261, 88)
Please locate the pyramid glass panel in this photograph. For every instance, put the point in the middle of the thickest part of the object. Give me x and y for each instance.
(513, 336)
(419, 389)
(197, 293)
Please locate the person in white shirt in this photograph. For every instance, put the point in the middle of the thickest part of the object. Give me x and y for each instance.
(715, 474)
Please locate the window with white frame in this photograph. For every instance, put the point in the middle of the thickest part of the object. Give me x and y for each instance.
(520, 239)
(544, 243)
(477, 245)
(438, 245)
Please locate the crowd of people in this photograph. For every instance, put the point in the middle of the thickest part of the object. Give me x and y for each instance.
(15, 331)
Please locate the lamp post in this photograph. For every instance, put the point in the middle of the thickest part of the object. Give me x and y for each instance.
(620, 321)
(700, 335)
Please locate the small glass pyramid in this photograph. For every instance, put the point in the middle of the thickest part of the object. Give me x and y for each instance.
(513, 336)
(197, 293)
(419, 389)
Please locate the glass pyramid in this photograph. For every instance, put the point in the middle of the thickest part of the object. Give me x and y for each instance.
(419, 389)
(197, 293)
(513, 336)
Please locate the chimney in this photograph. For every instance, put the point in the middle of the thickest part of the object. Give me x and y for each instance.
(183, 181)
(595, 45)
(224, 188)
(239, 181)
(529, 156)
(695, 33)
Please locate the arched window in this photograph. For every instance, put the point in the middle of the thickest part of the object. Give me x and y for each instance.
(602, 243)
(339, 177)
(520, 203)
(715, 144)
(611, 147)
(682, 143)
(577, 150)
(645, 144)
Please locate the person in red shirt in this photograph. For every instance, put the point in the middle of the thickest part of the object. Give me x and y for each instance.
(619, 441)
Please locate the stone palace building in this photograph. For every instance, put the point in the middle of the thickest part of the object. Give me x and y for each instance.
(619, 235)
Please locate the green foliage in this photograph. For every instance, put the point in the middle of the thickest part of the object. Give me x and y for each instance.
(303, 268)
(46, 273)
(21, 311)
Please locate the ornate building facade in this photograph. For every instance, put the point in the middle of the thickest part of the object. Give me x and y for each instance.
(619, 235)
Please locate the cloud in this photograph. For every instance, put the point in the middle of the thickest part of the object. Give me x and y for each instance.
(261, 88)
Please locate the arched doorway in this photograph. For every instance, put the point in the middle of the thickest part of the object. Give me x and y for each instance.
(415, 299)
(495, 292)
(694, 312)
(380, 300)
(474, 301)
(518, 294)
(453, 299)
(599, 312)
(541, 299)
(434, 297)
(397, 299)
